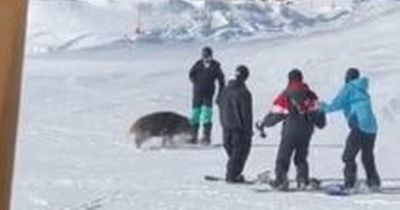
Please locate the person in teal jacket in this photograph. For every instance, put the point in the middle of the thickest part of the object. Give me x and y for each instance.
(355, 102)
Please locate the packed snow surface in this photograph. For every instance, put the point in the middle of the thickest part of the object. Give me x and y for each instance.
(61, 25)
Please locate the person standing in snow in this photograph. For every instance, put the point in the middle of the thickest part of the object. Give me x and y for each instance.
(203, 76)
(236, 115)
(355, 102)
(297, 107)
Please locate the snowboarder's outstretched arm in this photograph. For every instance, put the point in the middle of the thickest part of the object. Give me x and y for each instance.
(271, 119)
(338, 103)
(278, 112)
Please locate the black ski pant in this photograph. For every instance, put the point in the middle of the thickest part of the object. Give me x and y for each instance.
(298, 146)
(202, 100)
(237, 145)
(359, 141)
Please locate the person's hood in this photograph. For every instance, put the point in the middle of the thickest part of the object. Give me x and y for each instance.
(235, 83)
(362, 83)
(297, 85)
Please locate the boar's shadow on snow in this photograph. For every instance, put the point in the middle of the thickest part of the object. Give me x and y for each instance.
(166, 125)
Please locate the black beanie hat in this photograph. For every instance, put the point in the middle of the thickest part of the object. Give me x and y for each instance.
(295, 75)
(207, 52)
(242, 73)
(352, 74)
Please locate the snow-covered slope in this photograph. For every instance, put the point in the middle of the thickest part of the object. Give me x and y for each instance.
(60, 25)
(74, 151)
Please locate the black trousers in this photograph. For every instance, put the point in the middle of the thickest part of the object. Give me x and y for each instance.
(359, 141)
(237, 145)
(202, 100)
(298, 146)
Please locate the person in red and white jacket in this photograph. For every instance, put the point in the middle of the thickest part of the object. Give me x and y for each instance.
(297, 108)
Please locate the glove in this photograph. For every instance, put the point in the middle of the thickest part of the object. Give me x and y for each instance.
(323, 106)
(263, 135)
(260, 128)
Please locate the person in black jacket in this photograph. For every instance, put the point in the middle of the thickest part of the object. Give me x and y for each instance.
(236, 115)
(297, 107)
(203, 75)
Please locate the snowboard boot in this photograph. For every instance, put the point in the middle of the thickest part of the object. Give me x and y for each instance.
(350, 183)
(352, 188)
(302, 186)
(374, 185)
(374, 188)
(236, 180)
(195, 133)
(206, 140)
(302, 183)
(314, 183)
(280, 185)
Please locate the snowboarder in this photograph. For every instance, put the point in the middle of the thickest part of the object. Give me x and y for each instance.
(236, 115)
(297, 107)
(203, 75)
(355, 102)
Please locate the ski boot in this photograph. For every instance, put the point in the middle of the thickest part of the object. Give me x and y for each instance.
(206, 140)
(195, 133)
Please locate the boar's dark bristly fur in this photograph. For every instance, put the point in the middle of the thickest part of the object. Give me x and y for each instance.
(160, 124)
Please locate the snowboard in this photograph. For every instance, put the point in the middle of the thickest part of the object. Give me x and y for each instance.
(313, 186)
(261, 178)
(212, 178)
(361, 188)
(263, 182)
(327, 187)
(337, 190)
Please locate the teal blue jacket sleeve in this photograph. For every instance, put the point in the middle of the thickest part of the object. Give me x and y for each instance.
(338, 103)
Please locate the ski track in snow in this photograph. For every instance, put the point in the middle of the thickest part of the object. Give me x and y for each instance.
(74, 150)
